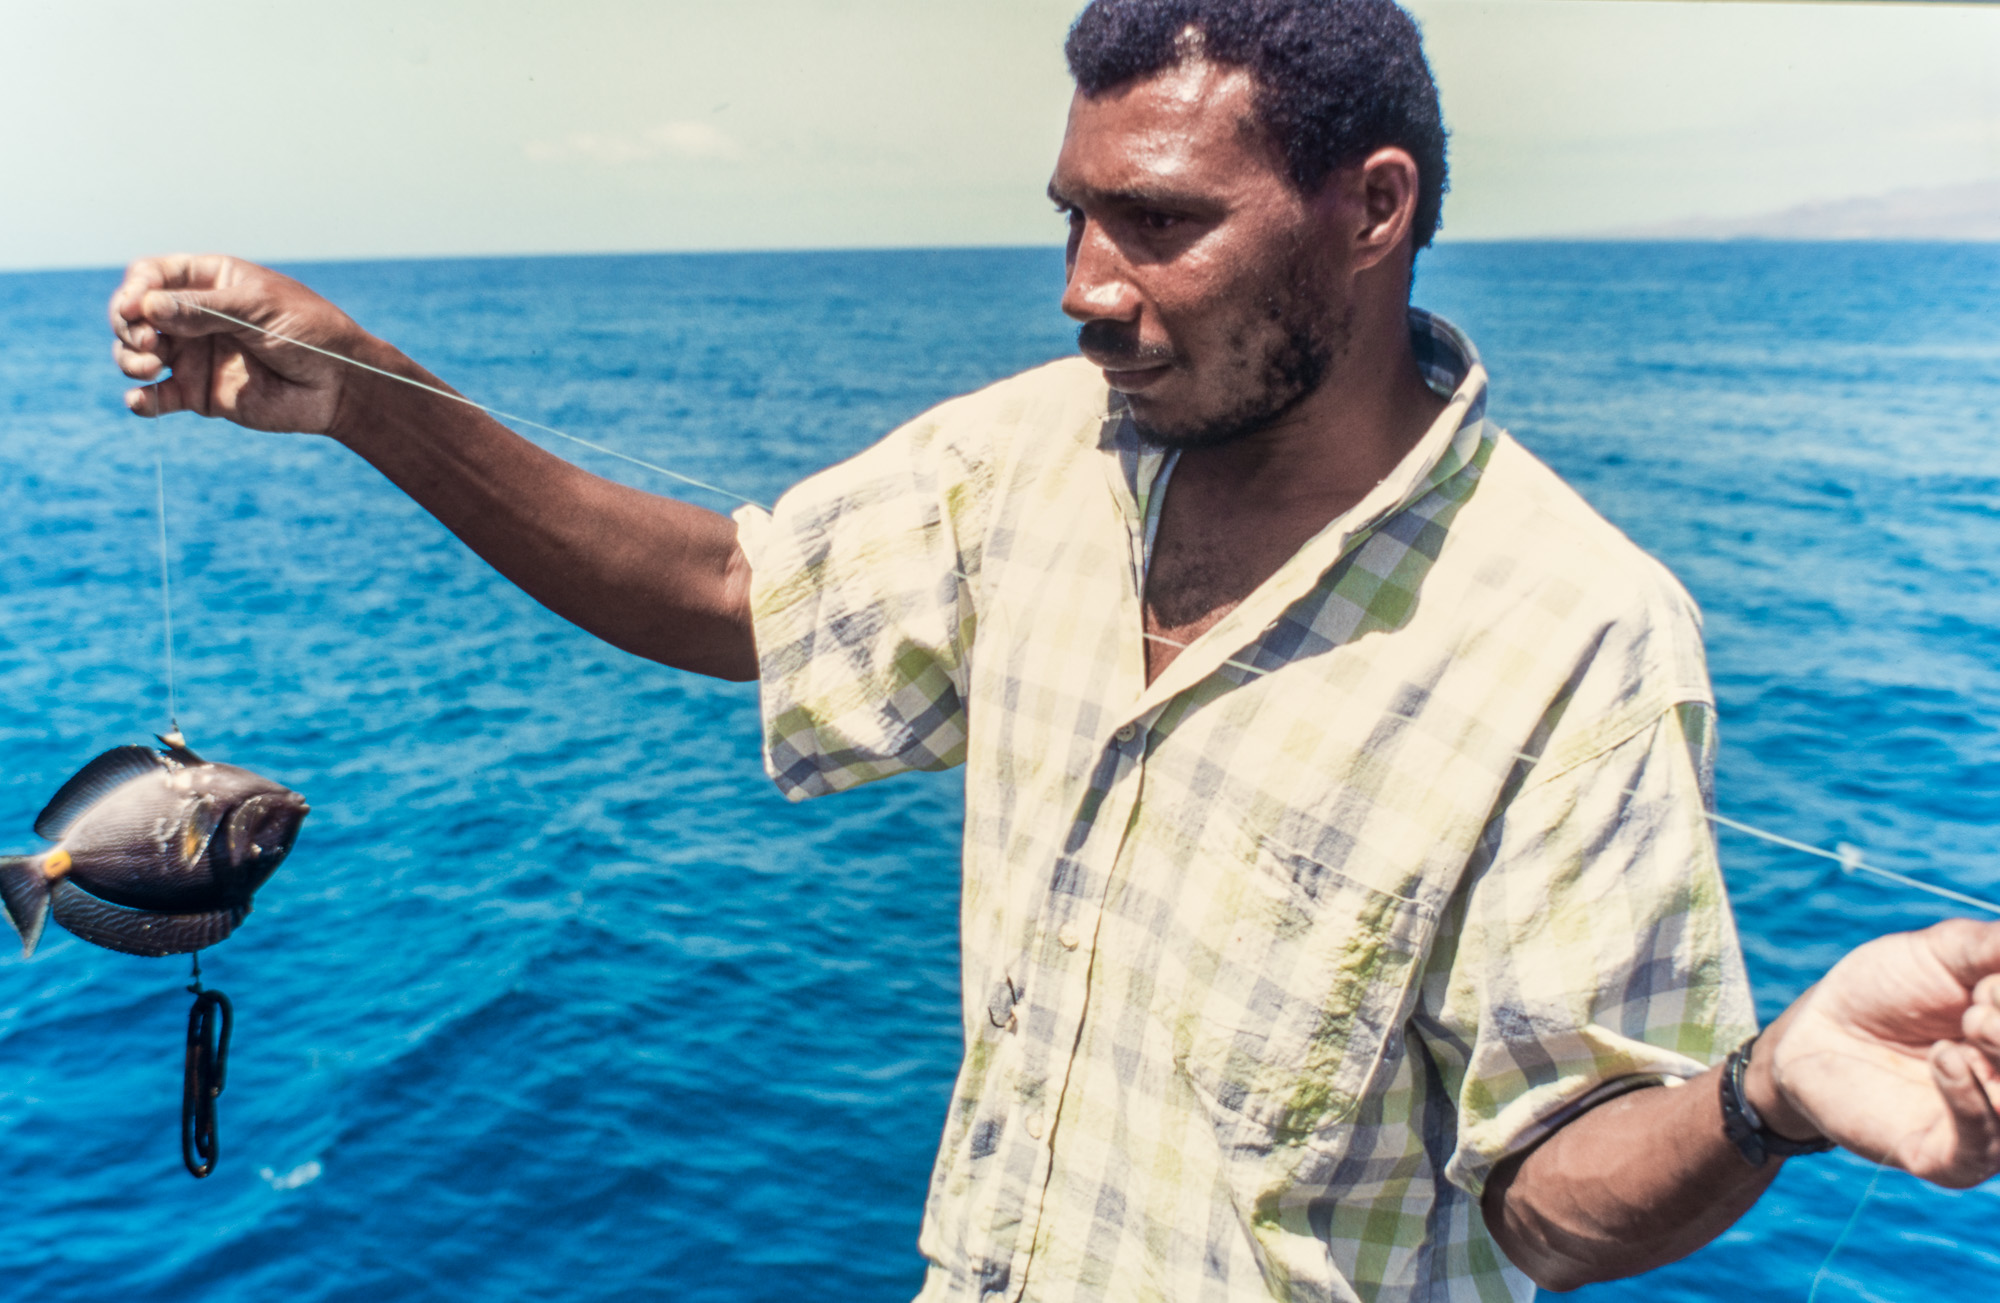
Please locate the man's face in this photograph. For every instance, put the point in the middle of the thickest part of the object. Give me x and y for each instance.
(1196, 269)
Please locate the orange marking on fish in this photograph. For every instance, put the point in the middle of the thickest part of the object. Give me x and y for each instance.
(56, 864)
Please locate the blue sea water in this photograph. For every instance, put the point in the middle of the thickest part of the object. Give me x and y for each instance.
(558, 1000)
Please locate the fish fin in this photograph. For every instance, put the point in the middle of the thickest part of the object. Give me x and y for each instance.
(25, 890)
(178, 749)
(91, 783)
(139, 931)
(203, 819)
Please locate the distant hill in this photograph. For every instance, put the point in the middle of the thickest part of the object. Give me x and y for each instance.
(1960, 212)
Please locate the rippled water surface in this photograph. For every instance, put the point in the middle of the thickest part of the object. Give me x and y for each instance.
(558, 1000)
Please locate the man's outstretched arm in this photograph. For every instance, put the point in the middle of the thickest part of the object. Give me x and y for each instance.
(1895, 1054)
(655, 576)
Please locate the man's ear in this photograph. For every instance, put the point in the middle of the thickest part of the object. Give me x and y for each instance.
(1378, 197)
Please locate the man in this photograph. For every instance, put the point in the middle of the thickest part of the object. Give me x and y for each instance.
(1340, 916)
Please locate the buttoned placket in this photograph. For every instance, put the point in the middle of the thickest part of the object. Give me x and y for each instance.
(1064, 943)
(1064, 946)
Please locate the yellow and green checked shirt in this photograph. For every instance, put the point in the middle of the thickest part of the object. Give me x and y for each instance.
(1267, 964)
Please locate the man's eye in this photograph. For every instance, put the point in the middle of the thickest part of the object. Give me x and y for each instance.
(1153, 221)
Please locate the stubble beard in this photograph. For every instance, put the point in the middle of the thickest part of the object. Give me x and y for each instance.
(1300, 348)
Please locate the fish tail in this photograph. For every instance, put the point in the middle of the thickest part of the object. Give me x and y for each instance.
(24, 887)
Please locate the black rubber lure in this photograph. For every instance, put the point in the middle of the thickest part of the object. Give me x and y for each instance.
(156, 852)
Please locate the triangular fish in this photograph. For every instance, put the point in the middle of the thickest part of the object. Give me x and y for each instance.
(92, 784)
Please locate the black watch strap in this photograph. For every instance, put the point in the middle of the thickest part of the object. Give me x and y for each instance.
(1740, 1123)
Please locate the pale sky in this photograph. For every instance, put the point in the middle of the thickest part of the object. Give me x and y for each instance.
(290, 131)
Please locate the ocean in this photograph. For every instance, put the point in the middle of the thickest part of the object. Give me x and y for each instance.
(557, 999)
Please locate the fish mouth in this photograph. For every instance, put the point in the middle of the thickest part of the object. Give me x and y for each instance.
(257, 835)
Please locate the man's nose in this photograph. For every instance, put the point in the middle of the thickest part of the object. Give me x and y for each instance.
(1100, 285)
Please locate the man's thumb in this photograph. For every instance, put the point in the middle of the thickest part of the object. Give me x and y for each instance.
(187, 312)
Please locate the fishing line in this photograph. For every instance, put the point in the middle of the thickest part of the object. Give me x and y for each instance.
(1846, 858)
(1840, 1241)
(1854, 1218)
(493, 412)
(166, 580)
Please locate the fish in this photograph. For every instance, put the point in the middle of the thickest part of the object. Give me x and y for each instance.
(156, 852)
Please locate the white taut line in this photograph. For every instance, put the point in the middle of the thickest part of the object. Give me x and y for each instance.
(493, 412)
(166, 581)
(1848, 859)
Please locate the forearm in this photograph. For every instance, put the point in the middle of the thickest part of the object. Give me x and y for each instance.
(1895, 1055)
(658, 577)
(1635, 1183)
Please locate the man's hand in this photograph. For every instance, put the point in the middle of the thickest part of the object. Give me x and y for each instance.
(1895, 1054)
(221, 369)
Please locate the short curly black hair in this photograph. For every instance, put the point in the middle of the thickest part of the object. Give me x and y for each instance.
(1336, 79)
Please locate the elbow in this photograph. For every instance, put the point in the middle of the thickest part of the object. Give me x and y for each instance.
(723, 660)
(1560, 1276)
(1550, 1268)
(739, 671)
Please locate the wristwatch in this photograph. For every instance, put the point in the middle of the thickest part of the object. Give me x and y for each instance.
(1755, 1141)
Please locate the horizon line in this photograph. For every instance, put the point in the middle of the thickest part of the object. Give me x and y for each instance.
(753, 251)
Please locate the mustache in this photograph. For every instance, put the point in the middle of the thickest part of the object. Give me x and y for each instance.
(1115, 344)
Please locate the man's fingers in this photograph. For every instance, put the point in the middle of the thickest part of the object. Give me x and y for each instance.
(170, 291)
(1969, 951)
(139, 366)
(142, 338)
(1964, 1080)
(179, 271)
(186, 390)
(1967, 1082)
(148, 354)
(124, 306)
(181, 312)
(192, 271)
(155, 400)
(1981, 1021)
(174, 272)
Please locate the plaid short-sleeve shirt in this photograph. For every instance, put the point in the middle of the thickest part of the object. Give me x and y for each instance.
(1268, 963)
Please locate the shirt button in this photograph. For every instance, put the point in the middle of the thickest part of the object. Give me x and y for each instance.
(1036, 1125)
(1127, 733)
(1068, 936)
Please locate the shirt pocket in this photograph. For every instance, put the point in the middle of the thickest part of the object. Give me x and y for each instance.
(1296, 977)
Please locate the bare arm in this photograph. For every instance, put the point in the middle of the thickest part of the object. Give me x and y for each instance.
(1633, 1184)
(650, 574)
(1895, 1054)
